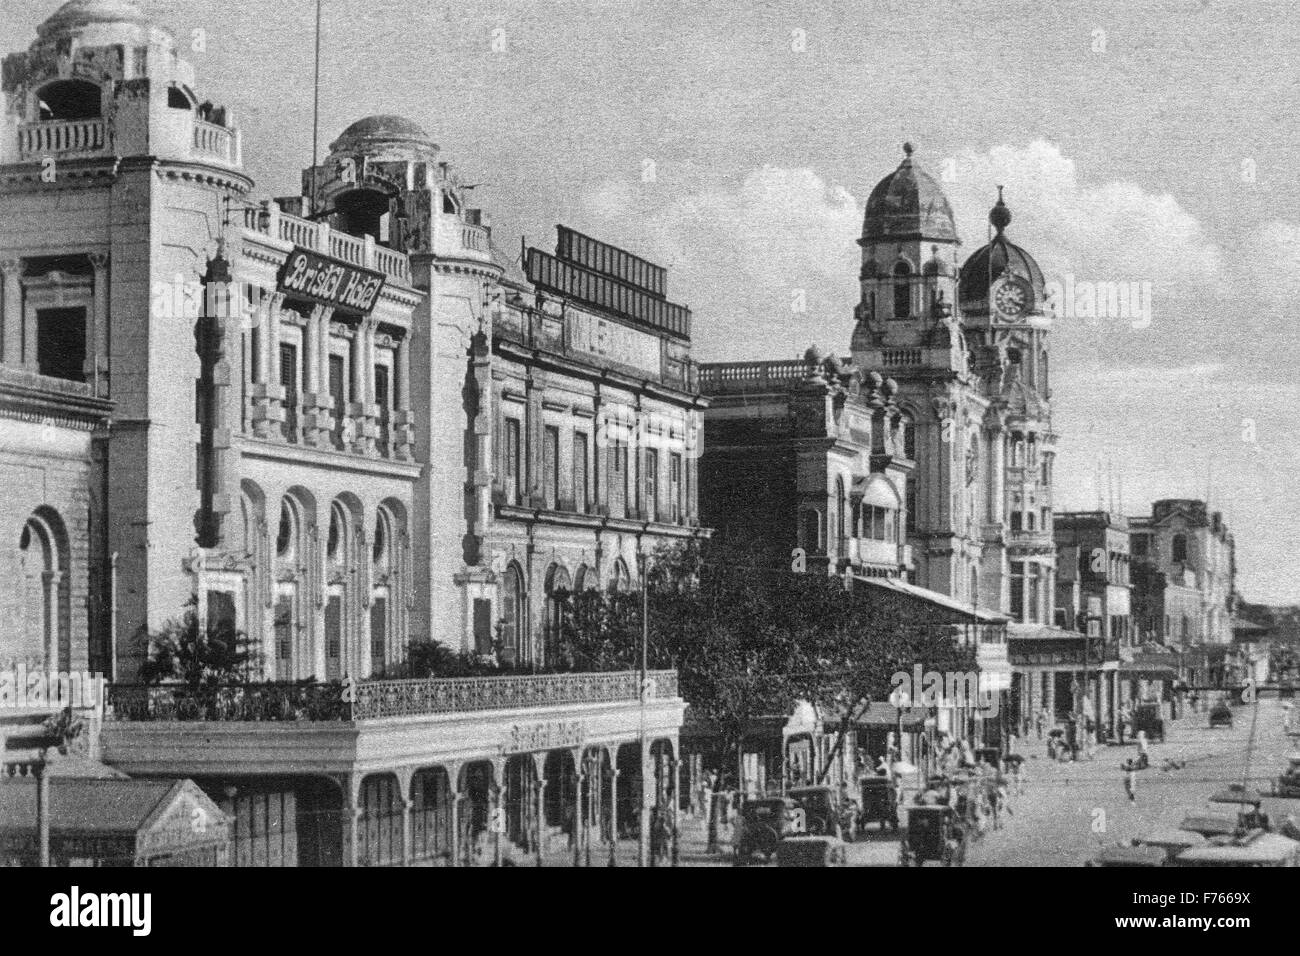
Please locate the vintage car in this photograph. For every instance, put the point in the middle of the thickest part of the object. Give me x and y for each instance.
(764, 821)
(1254, 848)
(824, 811)
(1211, 824)
(1171, 842)
(810, 850)
(933, 833)
(879, 803)
(1220, 715)
(1128, 856)
(1288, 782)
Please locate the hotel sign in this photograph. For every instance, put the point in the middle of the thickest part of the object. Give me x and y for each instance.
(309, 275)
(595, 338)
(551, 735)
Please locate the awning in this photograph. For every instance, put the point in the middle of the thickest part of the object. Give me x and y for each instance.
(881, 714)
(961, 613)
(1043, 632)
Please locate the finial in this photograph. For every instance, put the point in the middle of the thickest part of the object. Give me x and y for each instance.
(1000, 215)
(907, 149)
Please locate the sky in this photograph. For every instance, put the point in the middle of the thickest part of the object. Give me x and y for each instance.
(736, 142)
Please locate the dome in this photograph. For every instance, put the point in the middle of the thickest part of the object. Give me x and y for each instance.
(908, 204)
(386, 129)
(999, 257)
(78, 13)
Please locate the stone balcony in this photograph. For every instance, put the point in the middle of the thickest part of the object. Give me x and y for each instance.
(287, 728)
(268, 220)
(64, 139)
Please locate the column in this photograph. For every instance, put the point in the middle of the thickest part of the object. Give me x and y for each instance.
(51, 580)
(675, 768)
(97, 339)
(579, 818)
(494, 806)
(613, 809)
(540, 842)
(13, 311)
(997, 480)
(453, 781)
(403, 423)
(352, 814)
(268, 394)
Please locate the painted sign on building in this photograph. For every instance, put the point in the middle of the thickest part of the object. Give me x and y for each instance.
(309, 275)
(601, 339)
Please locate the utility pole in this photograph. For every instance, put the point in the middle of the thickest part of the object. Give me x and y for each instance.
(643, 843)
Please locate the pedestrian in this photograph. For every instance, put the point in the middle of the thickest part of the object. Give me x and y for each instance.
(1144, 757)
(1130, 779)
(1123, 724)
(1041, 721)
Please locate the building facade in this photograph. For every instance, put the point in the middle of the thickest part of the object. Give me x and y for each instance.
(1186, 594)
(287, 414)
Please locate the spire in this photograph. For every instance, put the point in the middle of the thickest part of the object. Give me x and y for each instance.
(1000, 215)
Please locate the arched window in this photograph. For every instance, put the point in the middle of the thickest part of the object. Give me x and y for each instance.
(558, 588)
(909, 437)
(42, 554)
(336, 545)
(69, 100)
(512, 623)
(177, 98)
(621, 580)
(1180, 547)
(286, 536)
(902, 290)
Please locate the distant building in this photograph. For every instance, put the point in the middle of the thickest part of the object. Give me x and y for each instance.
(1186, 593)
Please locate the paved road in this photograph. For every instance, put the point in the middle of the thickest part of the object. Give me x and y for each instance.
(1054, 822)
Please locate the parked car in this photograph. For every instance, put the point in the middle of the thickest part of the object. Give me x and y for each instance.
(764, 821)
(1128, 856)
(1220, 715)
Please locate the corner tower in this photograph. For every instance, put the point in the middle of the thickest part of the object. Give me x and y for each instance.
(1001, 300)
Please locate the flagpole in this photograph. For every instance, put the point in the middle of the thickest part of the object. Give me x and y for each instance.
(315, 111)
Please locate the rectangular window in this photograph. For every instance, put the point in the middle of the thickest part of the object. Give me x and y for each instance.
(381, 391)
(616, 475)
(513, 475)
(675, 488)
(651, 485)
(551, 466)
(581, 492)
(482, 626)
(378, 634)
(911, 506)
(338, 378)
(61, 343)
(289, 381)
(1017, 521)
(333, 637)
(1018, 589)
(284, 638)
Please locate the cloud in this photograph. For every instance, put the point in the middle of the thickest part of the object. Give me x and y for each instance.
(1114, 231)
(748, 255)
(769, 266)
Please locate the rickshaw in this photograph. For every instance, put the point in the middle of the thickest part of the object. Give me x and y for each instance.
(933, 833)
(823, 813)
(1128, 856)
(1256, 848)
(764, 821)
(1287, 783)
(1146, 719)
(879, 803)
(1220, 716)
(1171, 842)
(810, 850)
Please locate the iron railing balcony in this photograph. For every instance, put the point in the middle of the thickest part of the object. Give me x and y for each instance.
(375, 699)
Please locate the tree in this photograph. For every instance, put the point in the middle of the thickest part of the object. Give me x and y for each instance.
(196, 656)
(749, 640)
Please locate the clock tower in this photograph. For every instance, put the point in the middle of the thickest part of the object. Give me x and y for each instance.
(1001, 302)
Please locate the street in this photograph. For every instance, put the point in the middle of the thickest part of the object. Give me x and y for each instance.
(1071, 809)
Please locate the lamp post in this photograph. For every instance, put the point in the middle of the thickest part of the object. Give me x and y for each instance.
(643, 842)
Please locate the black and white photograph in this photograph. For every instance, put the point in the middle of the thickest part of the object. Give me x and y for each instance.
(651, 434)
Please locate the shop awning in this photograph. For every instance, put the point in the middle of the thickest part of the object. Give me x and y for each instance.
(1043, 632)
(961, 613)
(881, 714)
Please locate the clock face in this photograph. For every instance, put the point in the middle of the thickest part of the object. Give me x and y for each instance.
(1010, 298)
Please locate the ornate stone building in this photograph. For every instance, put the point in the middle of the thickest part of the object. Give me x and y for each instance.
(296, 414)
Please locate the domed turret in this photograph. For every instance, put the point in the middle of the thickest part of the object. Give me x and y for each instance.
(907, 205)
(377, 134)
(77, 13)
(994, 261)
